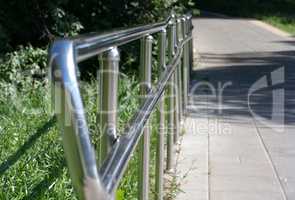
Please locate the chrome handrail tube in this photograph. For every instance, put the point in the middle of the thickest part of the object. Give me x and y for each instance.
(88, 46)
(99, 181)
(71, 118)
(112, 171)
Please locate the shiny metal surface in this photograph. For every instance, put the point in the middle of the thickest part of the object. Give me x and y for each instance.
(190, 44)
(171, 97)
(109, 62)
(160, 137)
(144, 146)
(71, 118)
(88, 46)
(176, 110)
(179, 73)
(90, 181)
(117, 160)
(185, 65)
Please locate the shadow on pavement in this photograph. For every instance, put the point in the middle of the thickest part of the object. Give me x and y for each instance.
(227, 85)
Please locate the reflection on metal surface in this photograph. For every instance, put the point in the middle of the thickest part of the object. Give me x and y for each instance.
(90, 181)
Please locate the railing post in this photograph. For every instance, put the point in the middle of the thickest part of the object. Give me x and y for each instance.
(145, 78)
(171, 104)
(108, 100)
(180, 37)
(185, 65)
(160, 137)
(191, 54)
(179, 93)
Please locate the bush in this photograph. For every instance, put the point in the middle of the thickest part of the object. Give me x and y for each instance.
(32, 161)
(41, 21)
(23, 65)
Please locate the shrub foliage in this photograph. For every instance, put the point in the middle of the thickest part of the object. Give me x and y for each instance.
(38, 22)
(32, 164)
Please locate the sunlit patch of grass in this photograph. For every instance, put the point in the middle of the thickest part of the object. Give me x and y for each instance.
(31, 158)
(32, 164)
(285, 23)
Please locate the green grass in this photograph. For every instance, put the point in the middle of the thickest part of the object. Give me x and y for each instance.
(285, 23)
(277, 13)
(32, 164)
(31, 158)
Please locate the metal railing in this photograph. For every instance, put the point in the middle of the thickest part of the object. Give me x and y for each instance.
(89, 180)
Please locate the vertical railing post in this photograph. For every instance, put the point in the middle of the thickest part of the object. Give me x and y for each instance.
(177, 90)
(170, 94)
(108, 100)
(180, 37)
(185, 65)
(191, 55)
(145, 78)
(179, 79)
(160, 137)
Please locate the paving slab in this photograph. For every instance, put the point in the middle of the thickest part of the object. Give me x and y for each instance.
(240, 138)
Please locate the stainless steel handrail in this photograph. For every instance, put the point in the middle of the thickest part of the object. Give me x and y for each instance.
(88, 46)
(111, 170)
(90, 181)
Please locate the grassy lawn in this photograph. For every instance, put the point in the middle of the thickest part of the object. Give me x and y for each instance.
(32, 164)
(279, 13)
(31, 157)
(285, 23)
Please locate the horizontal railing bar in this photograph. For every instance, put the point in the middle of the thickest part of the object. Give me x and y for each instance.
(88, 46)
(117, 160)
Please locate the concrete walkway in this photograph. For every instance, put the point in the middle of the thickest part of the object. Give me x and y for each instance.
(240, 140)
